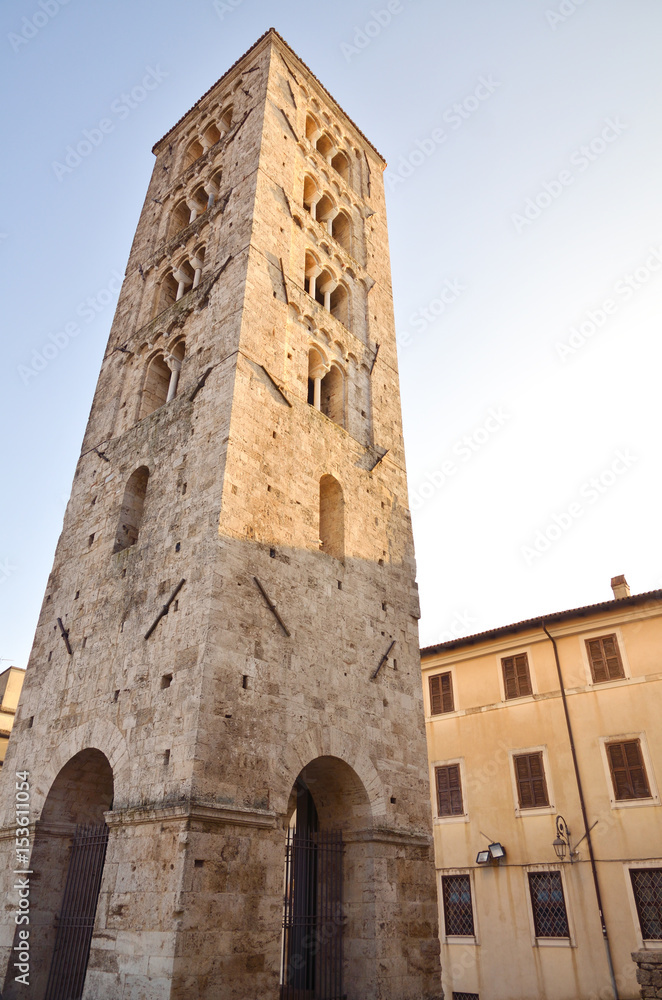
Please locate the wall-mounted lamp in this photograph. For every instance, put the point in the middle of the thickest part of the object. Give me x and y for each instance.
(494, 852)
(562, 841)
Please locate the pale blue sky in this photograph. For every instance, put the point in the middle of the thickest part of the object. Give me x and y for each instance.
(484, 295)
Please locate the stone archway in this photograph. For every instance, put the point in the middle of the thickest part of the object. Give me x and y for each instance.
(66, 863)
(329, 903)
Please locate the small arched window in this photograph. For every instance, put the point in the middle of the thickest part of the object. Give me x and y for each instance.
(332, 395)
(316, 369)
(312, 128)
(212, 135)
(155, 389)
(193, 153)
(167, 292)
(340, 164)
(132, 509)
(325, 208)
(179, 219)
(341, 230)
(339, 305)
(309, 195)
(225, 122)
(332, 518)
(325, 145)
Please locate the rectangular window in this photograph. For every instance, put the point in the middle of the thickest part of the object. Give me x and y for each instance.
(449, 790)
(549, 914)
(531, 784)
(465, 996)
(628, 772)
(441, 694)
(647, 888)
(516, 677)
(458, 911)
(605, 658)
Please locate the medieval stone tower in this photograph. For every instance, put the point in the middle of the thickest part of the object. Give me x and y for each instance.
(224, 698)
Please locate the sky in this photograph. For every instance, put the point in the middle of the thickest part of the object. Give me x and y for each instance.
(525, 221)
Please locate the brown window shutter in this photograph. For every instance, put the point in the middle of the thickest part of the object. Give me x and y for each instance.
(627, 770)
(441, 694)
(516, 676)
(531, 784)
(605, 658)
(449, 790)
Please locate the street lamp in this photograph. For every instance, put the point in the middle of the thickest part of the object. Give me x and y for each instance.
(562, 841)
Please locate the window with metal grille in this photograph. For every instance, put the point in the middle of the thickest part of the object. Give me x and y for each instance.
(441, 694)
(647, 888)
(547, 900)
(605, 658)
(449, 790)
(465, 996)
(516, 676)
(458, 911)
(531, 784)
(628, 772)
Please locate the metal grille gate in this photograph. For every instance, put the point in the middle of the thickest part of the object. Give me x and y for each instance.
(76, 923)
(313, 918)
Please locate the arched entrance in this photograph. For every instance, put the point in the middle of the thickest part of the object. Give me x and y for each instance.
(67, 864)
(326, 912)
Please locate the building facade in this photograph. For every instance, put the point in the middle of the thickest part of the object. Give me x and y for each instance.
(11, 682)
(537, 733)
(223, 698)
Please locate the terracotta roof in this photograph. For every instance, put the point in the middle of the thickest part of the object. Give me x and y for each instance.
(271, 31)
(557, 616)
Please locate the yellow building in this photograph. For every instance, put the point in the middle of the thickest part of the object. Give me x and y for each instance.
(545, 755)
(11, 682)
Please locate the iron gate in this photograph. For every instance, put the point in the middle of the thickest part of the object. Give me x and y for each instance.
(313, 917)
(66, 977)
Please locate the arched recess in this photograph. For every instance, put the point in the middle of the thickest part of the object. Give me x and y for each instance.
(155, 387)
(225, 121)
(332, 396)
(179, 219)
(341, 230)
(328, 942)
(310, 195)
(332, 518)
(193, 152)
(166, 292)
(340, 164)
(133, 505)
(339, 305)
(67, 860)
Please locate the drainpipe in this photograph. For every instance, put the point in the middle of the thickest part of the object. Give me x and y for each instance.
(589, 842)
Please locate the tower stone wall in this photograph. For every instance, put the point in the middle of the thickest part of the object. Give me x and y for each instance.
(276, 501)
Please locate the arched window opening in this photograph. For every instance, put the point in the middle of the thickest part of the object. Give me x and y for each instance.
(341, 230)
(312, 128)
(132, 510)
(69, 852)
(212, 135)
(332, 518)
(324, 289)
(155, 389)
(215, 185)
(311, 270)
(184, 276)
(225, 122)
(310, 196)
(193, 153)
(340, 164)
(180, 218)
(197, 263)
(200, 200)
(325, 210)
(332, 396)
(325, 146)
(316, 371)
(339, 305)
(167, 294)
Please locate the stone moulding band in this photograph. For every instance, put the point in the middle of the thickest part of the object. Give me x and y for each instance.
(178, 812)
(387, 835)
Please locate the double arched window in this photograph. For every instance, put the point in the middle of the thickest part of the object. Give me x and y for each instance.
(327, 146)
(161, 379)
(208, 137)
(324, 210)
(326, 386)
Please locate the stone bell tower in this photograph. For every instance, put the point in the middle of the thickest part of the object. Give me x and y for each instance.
(223, 700)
